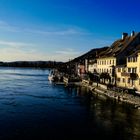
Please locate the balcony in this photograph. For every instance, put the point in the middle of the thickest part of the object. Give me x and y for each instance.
(126, 74)
(131, 75)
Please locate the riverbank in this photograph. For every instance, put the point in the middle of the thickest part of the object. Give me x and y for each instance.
(101, 90)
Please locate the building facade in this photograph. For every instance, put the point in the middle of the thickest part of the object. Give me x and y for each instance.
(129, 75)
(92, 66)
(106, 65)
(116, 56)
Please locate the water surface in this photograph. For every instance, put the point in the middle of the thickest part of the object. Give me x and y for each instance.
(31, 107)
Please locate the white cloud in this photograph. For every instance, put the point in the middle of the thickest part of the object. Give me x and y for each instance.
(67, 51)
(14, 50)
(60, 32)
(7, 27)
(15, 54)
(66, 54)
(15, 44)
(54, 30)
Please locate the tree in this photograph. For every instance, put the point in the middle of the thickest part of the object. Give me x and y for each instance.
(93, 77)
(105, 76)
(114, 74)
(133, 76)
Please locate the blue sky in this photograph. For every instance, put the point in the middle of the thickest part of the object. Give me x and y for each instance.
(62, 29)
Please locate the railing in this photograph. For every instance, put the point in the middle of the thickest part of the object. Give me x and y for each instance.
(131, 75)
(125, 74)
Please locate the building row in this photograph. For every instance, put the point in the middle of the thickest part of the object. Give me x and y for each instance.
(121, 61)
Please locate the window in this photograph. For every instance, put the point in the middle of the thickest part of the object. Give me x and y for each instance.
(123, 70)
(139, 81)
(128, 59)
(135, 59)
(113, 62)
(128, 80)
(119, 69)
(133, 70)
(123, 80)
(110, 61)
(129, 70)
(118, 79)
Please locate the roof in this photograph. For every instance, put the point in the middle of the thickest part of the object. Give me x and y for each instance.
(135, 52)
(92, 54)
(92, 61)
(119, 46)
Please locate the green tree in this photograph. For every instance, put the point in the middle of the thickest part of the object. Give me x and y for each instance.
(133, 76)
(105, 76)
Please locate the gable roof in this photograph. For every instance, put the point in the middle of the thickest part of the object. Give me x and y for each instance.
(135, 52)
(119, 46)
(92, 54)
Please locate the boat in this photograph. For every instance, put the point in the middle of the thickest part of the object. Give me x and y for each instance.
(50, 77)
(137, 92)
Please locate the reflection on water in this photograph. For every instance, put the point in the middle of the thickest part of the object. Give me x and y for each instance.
(31, 107)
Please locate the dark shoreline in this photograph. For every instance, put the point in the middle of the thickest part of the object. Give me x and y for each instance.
(123, 97)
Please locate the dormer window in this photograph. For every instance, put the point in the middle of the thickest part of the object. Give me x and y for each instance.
(128, 59)
(132, 59)
(120, 45)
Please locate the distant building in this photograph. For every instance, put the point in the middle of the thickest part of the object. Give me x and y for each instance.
(81, 69)
(105, 64)
(92, 66)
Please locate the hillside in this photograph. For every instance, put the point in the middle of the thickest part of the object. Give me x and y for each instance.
(36, 64)
(90, 54)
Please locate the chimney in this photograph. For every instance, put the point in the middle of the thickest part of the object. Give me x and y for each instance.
(124, 35)
(132, 33)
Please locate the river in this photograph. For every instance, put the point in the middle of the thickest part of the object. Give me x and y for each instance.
(33, 108)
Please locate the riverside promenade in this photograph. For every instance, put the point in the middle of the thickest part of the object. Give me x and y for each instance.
(119, 96)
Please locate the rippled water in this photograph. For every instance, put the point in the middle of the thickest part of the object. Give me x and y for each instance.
(31, 107)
